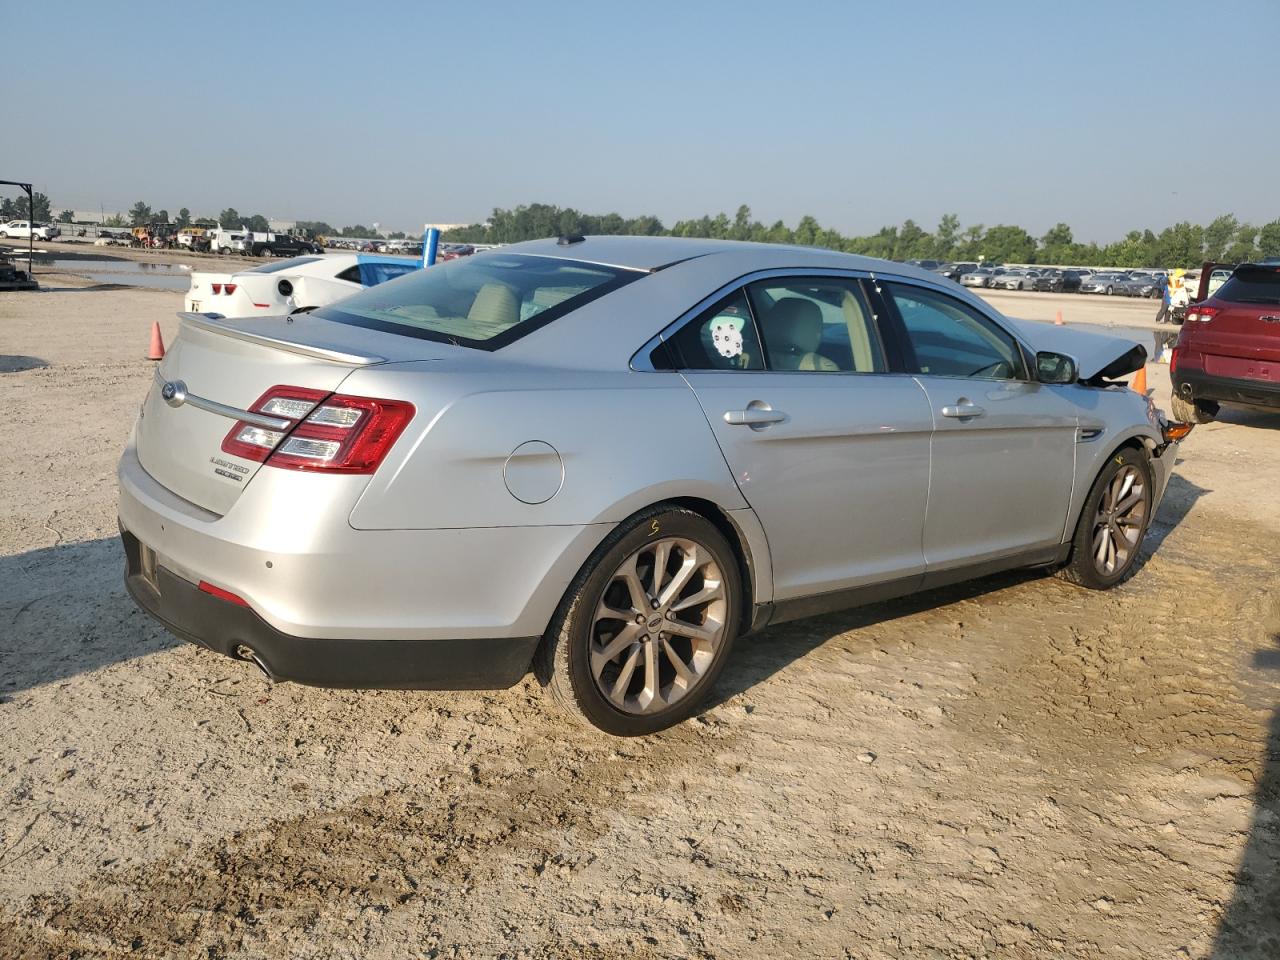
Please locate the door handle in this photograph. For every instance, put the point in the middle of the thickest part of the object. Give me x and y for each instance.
(754, 416)
(963, 410)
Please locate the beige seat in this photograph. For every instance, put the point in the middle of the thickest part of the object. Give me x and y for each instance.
(496, 307)
(793, 333)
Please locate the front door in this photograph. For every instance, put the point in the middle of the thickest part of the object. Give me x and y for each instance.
(1003, 453)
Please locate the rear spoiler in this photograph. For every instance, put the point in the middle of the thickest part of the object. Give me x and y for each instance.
(241, 330)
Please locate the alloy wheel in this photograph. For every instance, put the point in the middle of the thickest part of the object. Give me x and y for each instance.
(1118, 524)
(659, 625)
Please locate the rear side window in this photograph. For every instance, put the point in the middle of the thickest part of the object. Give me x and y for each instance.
(816, 325)
(485, 302)
(1251, 285)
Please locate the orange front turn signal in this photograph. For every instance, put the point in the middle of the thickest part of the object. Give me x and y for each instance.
(1173, 432)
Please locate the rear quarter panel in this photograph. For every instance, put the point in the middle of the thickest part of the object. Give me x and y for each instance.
(624, 440)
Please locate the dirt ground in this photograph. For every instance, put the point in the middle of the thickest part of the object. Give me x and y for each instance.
(1014, 768)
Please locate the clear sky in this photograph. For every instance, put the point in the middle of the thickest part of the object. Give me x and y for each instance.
(1103, 115)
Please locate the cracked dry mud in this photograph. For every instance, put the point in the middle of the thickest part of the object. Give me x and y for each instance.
(1013, 768)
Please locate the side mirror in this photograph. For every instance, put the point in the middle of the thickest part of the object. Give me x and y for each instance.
(1055, 367)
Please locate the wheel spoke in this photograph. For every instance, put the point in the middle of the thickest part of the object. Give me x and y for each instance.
(661, 556)
(620, 685)
(710, 591)
(629, 575)
(606, 612)
(1100, 551)
(649, 693)
(693, 631)
(680, 579)
(1129, 477)
(1129, 502)
(626, 636)
(682, 669)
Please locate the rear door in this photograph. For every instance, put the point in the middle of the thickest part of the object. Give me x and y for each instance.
(1003, 447)
(830, 450)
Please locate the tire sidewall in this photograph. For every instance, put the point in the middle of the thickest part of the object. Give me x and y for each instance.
(644, 528)
(1082, 552)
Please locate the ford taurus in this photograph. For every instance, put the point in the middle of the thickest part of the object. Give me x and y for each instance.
(605, 459)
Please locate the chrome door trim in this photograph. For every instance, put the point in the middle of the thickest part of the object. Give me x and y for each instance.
(174, 393)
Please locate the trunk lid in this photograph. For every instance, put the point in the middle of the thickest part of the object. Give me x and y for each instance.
(233, 364)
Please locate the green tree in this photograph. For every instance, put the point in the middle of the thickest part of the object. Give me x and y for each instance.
(66, 216)
(229, 219)
(115, 220)
(184, 218)
(1244, 247)
(945, 238)
(162, 216)
(139, 214)
(1181, 245)
(1269, 239)
(1218, 234)
(1008, 244)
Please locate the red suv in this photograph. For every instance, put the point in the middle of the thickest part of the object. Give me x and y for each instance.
(1229, 346)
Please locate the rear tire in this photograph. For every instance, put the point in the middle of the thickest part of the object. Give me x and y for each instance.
(1110, 530)
(1192, 411)
(618, 673)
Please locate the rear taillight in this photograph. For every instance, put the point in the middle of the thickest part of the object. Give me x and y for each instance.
(230, 288)
(217, 287)
(1202, 314)
(328, 432)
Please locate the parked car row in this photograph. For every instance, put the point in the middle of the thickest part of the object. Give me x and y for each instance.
(1129, 283)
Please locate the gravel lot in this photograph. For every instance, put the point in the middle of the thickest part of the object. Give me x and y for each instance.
(1014, 768)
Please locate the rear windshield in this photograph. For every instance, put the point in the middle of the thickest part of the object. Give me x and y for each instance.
(484, 301)
(1252, 285)
(282, 265)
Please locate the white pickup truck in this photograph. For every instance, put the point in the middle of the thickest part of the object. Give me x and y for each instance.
(22, 229)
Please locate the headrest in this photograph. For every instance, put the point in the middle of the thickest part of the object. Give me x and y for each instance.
(794, 325)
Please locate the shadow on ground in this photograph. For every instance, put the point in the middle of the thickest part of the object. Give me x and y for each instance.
(1250, 928)
(64, 611)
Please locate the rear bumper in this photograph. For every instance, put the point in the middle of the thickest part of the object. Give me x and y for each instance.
(228, 628)
(1204, 386)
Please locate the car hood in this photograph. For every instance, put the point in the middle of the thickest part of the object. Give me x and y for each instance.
(1098, 356)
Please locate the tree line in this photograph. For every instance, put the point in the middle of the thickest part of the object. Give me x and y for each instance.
(1181, 245)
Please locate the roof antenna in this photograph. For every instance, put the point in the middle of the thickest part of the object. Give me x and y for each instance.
(568, 238)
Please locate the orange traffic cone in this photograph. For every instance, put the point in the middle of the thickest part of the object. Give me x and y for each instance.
(1139, 384)
(156, 352)
(1058, 321)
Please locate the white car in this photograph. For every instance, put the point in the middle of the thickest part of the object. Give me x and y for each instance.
(294, 284)
(22, 229)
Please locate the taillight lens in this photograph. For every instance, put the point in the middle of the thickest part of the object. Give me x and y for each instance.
(217, 287)
(324, 432)
(1202, 314)
(230, 288)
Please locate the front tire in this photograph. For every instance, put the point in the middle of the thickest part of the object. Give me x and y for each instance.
(1113, 521)
(647, 625)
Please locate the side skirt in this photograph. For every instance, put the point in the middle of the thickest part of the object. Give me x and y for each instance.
(798, 608)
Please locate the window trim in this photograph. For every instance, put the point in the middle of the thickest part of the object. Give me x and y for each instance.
(878, 342)
(905, 350)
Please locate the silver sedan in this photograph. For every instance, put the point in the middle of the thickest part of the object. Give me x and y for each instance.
(605, 459)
